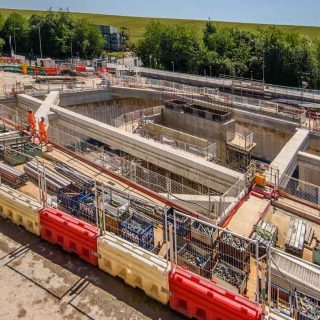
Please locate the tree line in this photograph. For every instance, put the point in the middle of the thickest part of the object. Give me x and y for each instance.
(279, 56)
(61, 36)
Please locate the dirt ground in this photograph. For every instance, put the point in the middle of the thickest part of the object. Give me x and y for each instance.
(41, 281)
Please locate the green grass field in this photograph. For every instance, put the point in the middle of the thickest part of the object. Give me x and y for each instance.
(136, 25)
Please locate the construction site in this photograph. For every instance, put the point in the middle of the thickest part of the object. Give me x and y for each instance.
(204, 195)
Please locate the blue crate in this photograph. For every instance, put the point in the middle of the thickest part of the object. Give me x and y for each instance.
(143, 237)
(183, 224)
(69, 196)
(86, 208)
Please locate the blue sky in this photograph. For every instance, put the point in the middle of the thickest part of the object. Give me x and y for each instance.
(296, 12)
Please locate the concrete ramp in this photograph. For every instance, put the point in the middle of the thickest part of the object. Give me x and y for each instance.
(44, 109)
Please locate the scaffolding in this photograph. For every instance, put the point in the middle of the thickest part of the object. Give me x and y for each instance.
(239, 148)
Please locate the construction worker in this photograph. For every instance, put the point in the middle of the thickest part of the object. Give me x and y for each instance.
(43, 131)
(31, 122)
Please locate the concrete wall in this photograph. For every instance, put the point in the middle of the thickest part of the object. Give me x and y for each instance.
(157, 129)
(88, 96)
(9, 102)
(286, 160)
(106, 111)
(212, 131)
(309, 168)
(270, 134)
(314, 145)
(183, 164)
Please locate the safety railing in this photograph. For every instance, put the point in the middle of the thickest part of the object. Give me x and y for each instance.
(241, 138)
(33, 88)
(130, 120)
(302, 196)
(231, 198)
(209, 153)
(213, 97)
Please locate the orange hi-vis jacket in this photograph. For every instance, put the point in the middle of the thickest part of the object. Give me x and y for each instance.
(31, 119)
(42, 127)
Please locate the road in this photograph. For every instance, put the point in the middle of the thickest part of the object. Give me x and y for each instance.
(41, 281)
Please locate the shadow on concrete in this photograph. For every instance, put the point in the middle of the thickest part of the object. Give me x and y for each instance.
(134, 298)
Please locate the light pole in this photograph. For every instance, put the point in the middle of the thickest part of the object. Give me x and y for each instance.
(210, 68)
(172, 66)
(71, 48)
(150, 60)
(264, 65)
(251, 75)
(14, 38)
(40, 44)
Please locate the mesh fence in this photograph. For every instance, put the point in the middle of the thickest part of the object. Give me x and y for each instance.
(33, 88)
(210, 204)
(308, 192)
(213, 253)
(192, 198)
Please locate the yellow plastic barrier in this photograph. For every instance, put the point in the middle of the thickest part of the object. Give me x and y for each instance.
(136, 266)
(20, 209)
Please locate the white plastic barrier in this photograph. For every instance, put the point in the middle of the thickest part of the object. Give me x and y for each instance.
(136, 266)
(20, 209)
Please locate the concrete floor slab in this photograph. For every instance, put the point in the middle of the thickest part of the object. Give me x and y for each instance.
(42, 272)
(247, 216)
(97, 304)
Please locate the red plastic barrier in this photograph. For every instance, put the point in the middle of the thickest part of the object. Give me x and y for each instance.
(80, 68)
(51, 71)
(196, 298)
(103, 69)
(72, 234)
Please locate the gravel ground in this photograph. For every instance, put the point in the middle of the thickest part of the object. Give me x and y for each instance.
(40, 281)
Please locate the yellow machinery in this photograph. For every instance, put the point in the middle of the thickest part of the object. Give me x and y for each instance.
(24, 68)
(260, 180)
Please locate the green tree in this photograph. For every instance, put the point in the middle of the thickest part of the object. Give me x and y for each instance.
(17, 25)
(56, 33)
(150, 46)
(88, 40)
(289, 57)
(180, 46)
(63, 35)
(2, 42)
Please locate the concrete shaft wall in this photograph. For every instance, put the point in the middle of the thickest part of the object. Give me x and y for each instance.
(309, 168)
(88, 96)
(199, 127)
(286, 160)
(270, 133)
(106, 111)
(183, 164)
(269, 141)
(314, 145)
